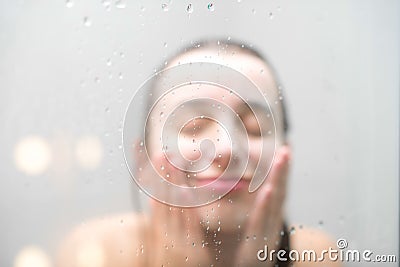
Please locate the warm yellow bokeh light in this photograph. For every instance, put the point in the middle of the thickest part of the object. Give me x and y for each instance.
(32, 155)
(90, 254)
(89, 152)
(32, 256)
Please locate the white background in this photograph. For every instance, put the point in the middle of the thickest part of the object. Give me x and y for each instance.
(338, 61)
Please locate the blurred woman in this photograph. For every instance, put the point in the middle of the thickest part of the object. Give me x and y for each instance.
(244, 219)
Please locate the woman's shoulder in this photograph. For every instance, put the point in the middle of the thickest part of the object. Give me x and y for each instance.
(118, 240)
(122, 240)
(304, 241)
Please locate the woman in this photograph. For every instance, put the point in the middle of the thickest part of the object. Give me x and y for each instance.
(244, 214)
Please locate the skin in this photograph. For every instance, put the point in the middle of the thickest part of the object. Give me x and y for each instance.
(228, 232)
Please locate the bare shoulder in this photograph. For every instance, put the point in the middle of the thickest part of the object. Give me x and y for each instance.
(112, 241)
(310, 239)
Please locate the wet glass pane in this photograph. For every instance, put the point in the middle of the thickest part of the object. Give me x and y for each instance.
(168, 133)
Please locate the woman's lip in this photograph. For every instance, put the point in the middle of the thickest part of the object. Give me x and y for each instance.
(223, 184)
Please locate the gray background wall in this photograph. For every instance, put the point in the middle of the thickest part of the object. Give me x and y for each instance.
(338, 60)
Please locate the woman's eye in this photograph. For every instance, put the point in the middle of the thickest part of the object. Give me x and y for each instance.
(254, 131)
(252, 126)
(194, 128)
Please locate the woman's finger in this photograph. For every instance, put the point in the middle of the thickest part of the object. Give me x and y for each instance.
(267, 211)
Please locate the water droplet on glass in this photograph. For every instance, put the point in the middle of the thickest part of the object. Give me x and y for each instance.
(292, 230)
(106, 3)
(87, 22)
(165, 44)
(109, 62)
(210, 6)
(120, 76)
(120, 4)
(69, 3)
(253, 11)
(187, 258)
(189, 8)
(162, 167)
(271, 15)
(164, 7)
(161, 114)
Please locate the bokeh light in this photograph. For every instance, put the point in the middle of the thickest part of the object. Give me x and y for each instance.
(32, 155)
(89, 152)
(32, 256)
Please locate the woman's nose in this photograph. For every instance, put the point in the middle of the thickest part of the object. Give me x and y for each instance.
(231, 149)
(223, 151)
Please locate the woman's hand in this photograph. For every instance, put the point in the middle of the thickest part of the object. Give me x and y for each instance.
(176, 235)
(265, 222)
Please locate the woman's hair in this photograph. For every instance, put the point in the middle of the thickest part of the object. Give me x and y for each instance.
(240, 46)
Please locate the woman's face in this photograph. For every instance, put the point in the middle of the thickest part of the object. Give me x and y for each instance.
(230, 212)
